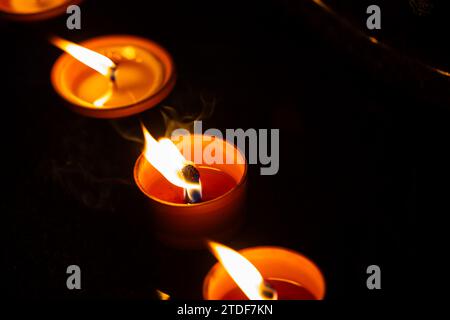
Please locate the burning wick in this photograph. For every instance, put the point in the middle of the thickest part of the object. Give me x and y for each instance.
(243, 272)
(191, 175)
(168, 160)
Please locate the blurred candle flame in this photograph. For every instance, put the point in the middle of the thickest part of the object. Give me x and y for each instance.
(90, 58)
(162, 295)
(34, 6)
(243, 272)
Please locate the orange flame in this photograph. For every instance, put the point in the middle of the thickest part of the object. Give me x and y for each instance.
(162, 295)
(92, 59)
(243, 272)
(168, 160)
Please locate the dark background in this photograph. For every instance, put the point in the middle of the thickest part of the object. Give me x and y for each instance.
(345, 192)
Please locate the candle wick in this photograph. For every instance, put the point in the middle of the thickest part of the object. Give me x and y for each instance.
(191, 175)
(268, 292)
(112, 74)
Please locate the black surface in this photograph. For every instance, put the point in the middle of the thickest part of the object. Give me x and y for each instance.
(344, 195)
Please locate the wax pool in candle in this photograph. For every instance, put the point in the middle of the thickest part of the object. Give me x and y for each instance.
(216, 184)
(286, 290)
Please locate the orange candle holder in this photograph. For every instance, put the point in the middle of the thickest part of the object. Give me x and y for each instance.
(34, 10)
(291, 274)
(145, 76)
(223, 192)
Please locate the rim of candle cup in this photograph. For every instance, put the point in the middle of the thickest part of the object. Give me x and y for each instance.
(88, 109)
(238, 184)
(270, 257)
(37, 16)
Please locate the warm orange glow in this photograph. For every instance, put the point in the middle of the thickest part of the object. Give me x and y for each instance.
(168, 160)
(162, 295)
(444, 73)
(92, 59)
(105, 98)
(373, 40)
(34, 6)
(246, 276)
(131, 75)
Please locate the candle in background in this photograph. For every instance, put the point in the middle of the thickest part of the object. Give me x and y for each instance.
(275, 273)
(162, 295)
(112, 76)
(33, 10)
(177, 221)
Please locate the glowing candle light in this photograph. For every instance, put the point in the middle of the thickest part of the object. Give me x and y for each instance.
(32, 10)
(162, 295)
(90, 58)
(158, 174)
(112, 76)
(243, 273)
(262, 273)
(165, 157)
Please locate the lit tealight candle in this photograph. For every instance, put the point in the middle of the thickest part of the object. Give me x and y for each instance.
(112, 76)
(31, 10)
(262, 273)
(188, 210)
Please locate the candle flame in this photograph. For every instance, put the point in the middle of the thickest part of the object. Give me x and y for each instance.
(162, 295)
(92, 59)
(243, 272)
(168, 160)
